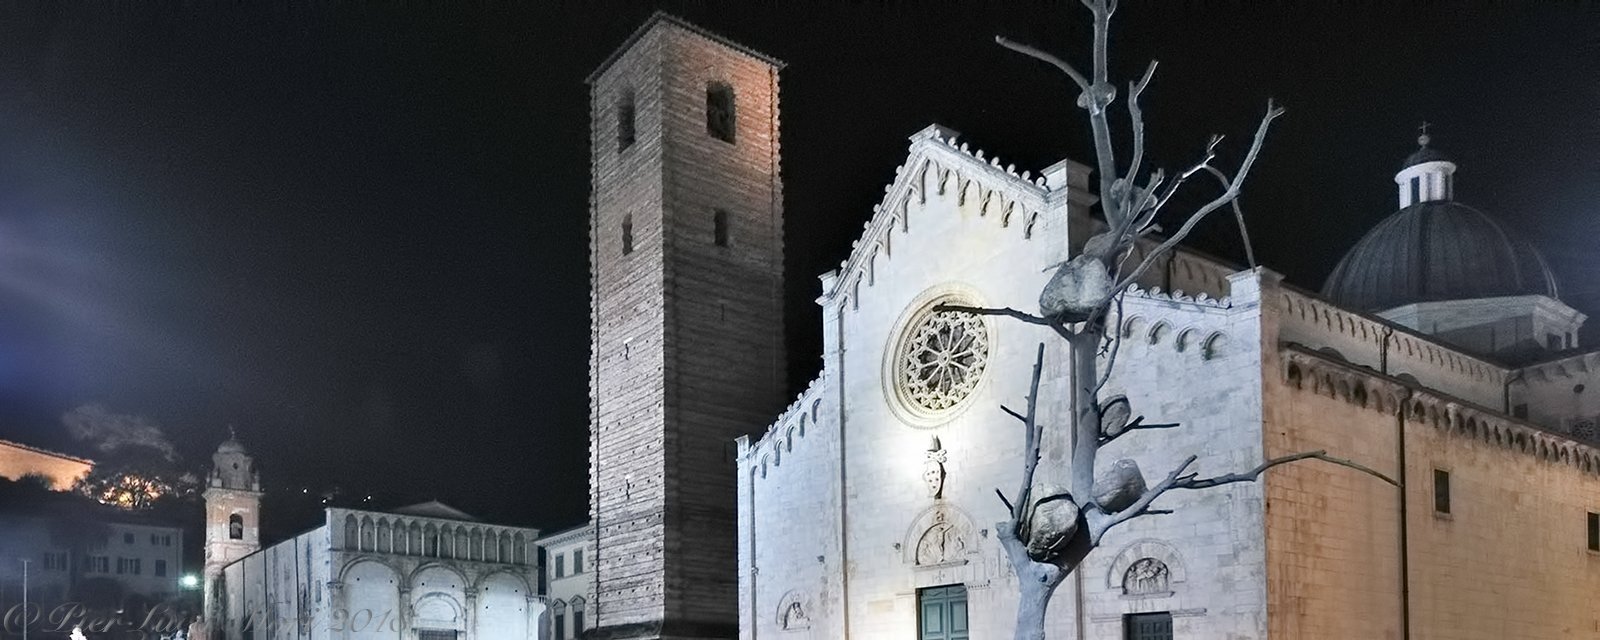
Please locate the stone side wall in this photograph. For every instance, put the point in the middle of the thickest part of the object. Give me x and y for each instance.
(281, 593)
(627, 321)
(17, 460)
(688, 335)
(790, 534)
(724, 312)
(1509, 561)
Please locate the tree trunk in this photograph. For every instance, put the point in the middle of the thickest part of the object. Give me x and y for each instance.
(1035, 591)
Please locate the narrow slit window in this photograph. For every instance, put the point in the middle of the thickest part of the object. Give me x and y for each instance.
(719, 227)
(719, 111)
(625, 123)
(627, 235)
(1594, 531)
(1416, 190)
(1441, 491)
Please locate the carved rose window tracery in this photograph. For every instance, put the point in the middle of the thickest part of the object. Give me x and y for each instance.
(943, 359)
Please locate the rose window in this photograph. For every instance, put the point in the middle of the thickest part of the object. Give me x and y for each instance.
(942, 360)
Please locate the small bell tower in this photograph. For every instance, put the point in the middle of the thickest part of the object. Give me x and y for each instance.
(233, 516)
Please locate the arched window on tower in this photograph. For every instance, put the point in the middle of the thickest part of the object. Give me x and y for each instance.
(719, 111)
(236, 527)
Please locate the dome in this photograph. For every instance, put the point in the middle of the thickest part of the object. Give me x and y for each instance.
(1436, 250)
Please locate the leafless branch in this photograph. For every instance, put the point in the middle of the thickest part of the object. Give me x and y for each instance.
(1030, 452)
(1009, 411)
(1228, 195)
(1111, 358)
(1238, 216)
(1136, 116)
(1138, 423)
(1007, 311)
(1039, 54)
(1191, 482)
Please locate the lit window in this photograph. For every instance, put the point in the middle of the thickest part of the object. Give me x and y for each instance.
(719, 227)
(1441, 491)
(625, 130)
(719, 111)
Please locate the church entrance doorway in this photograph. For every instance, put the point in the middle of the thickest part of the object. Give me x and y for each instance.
(942, 613)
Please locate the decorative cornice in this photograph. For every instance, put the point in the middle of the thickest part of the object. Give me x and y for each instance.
(938, 164)
(1308, 370)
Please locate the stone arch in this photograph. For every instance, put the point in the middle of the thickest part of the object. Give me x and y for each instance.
(1146, 549)
(940, 534)
(502, 603)
(463, 544)
(1132, 325)
(1157, 332)
(1186, 339)
(1214, 346)
(794, 611)
(428, 575)
(519, 549)
(1358, 394)
(1293, 375)
(505, 547)
(385, 536)
(816, 409)
(356, 569)
(430, 541)
(477, 543)
(438, 610)
(352, 532)
(369, 533)
(415, 546)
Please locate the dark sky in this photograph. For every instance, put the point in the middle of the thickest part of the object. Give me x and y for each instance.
(357, 231)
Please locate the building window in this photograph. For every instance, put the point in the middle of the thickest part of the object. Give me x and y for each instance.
(1553, 341)
(625, 130)
(1147, 626)
(577, 615)
(1441, 491)
(719, 111)
(1416, 190)
(161, 568)
(561, 625)
(128, 565)
(719, 227)
(97, 564)
(627, 235)
(127, 538)
(1594, 531)
(236, 527)
(577, 561)
(561, 566)
(55, 561)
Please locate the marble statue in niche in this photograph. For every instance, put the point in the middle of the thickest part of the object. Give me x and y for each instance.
(1146, 576)
(944, 541)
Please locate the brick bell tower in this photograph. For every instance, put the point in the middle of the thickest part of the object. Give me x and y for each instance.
(686, 256)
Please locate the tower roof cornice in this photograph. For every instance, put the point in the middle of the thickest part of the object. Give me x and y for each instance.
(664, 18)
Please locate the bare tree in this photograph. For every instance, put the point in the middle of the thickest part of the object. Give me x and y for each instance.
(1052, 529)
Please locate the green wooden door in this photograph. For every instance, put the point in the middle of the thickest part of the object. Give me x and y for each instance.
(942, 613)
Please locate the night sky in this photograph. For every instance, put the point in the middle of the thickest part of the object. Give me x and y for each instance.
(357, 231)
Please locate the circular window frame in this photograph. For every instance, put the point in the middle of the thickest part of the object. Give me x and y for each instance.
(907, 410)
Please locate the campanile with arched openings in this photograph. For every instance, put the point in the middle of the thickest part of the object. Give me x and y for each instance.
(686, 256)
(233, 514)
